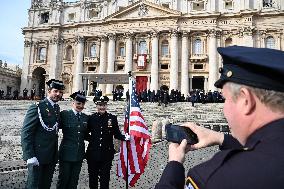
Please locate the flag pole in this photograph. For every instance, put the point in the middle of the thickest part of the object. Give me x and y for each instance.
(128, 106)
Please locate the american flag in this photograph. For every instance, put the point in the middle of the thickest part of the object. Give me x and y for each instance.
(139, 145)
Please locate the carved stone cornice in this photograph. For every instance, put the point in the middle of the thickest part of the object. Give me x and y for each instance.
(154, 34)
(174, 33)
(214, 33)
(129, 35)
(79, 39)
(111, 36)
(28, 43)
(56, 41)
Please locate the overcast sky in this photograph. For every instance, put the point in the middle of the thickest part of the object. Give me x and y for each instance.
(13, 17)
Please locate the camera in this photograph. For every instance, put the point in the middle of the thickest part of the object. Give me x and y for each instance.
(176, 133)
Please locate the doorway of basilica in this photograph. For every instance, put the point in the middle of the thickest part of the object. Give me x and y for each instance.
(141, 83)
(198, 82)
(38, 80)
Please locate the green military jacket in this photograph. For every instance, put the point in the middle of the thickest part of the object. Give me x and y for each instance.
(39, 137)
(72, 147)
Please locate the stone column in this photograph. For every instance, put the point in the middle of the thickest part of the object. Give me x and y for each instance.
(174, 61)
(154, 85)
(247, 37)
(190, 83)
(103, 62)
(78, 81)
(213, 64)
(54, 64)
(184, 64)
(128, 58)
(27, 62)
(110, 60)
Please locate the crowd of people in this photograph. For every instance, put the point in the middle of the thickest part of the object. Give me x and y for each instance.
(26, 95)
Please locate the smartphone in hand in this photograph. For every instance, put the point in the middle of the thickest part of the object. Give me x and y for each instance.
(176, 133)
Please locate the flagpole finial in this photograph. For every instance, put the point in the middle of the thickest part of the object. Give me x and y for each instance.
(129, 74)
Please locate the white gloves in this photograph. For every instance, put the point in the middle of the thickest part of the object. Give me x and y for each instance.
(127, 137)
(33, 161)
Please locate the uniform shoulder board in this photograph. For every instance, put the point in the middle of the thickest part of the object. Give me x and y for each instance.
(190, 184)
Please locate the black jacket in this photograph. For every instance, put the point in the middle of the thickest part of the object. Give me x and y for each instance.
(102, 128)
(259, 164)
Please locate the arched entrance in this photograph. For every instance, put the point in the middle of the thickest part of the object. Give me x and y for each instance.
(38, 80)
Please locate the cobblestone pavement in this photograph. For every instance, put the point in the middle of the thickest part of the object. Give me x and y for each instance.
(13, 169)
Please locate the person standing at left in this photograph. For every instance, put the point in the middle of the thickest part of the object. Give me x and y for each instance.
(72, 148)
(39, 137)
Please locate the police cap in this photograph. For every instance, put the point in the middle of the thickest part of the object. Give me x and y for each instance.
(56, 84)
(78, 96)
(101, 100)
(257, 67)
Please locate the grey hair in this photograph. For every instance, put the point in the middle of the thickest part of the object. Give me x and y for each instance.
(272, 99)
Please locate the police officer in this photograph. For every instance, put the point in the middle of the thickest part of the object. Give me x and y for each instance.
(39, 137)
(72, 148)
(25, 93)
(253, 156)
(103, 126)
(33, 91)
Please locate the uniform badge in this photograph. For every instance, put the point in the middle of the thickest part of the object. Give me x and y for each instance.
(109, 123)
(190, 184)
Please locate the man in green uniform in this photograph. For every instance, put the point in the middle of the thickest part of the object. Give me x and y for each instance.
(39, 137)
(72, 148)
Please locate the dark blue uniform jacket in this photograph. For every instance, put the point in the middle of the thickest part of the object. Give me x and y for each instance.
(258, 165)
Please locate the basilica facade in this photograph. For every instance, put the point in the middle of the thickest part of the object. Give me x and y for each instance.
(170, 43)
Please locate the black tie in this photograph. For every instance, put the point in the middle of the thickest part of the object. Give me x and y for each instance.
(78, 116)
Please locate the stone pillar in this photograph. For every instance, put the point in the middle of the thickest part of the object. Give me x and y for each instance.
(103, 62)
(213, 64)
(78, 81)
(110, 60)
(155, 63)
(247, 37)
(174, 61)
(25, 69)
(54, 64)
(184, 64)
(128, 58)
(190, 83)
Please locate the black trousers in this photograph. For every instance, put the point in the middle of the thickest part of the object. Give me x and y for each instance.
(68, 174)
(40, 177)
(99, 171)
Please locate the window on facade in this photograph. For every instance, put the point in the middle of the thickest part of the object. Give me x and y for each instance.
(42, 53)
(93, 14)
(228, 5)
(197, 46)
(198, 6)
(69, 53)
(165, 48)
(71, 17)
(198, 66)
(270, 42)
(44, 17)
(142, 47)
(92, 69)
(167, 5)
(164, 66)
(120, 67)
(93, 50)
(267, 3)
(121, 49)
(228, 42)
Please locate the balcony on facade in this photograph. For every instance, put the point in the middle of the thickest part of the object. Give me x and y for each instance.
(91, 60)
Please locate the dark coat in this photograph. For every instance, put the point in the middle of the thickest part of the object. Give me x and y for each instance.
(259, 164)
(37, 141)
(103, 128)
(72, 147)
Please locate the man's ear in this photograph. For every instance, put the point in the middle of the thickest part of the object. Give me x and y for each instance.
(247, 100)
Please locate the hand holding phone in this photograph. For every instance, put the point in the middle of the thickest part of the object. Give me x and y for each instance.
(176, 133)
